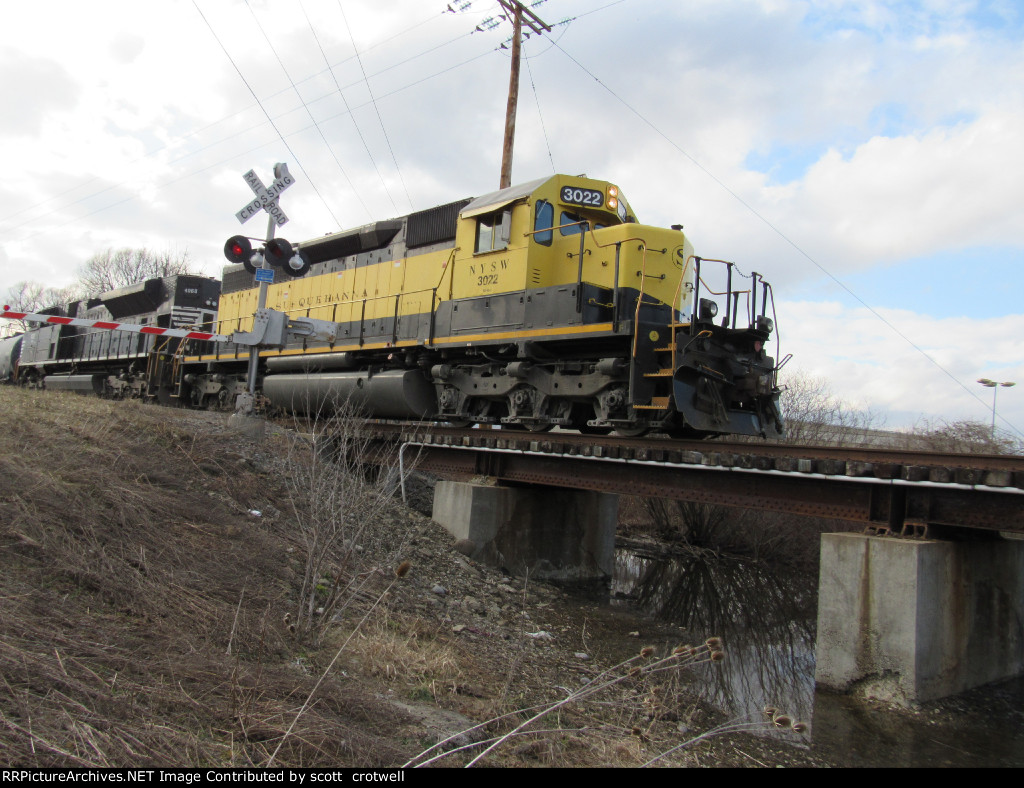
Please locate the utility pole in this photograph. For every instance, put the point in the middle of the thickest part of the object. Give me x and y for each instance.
(518, 13)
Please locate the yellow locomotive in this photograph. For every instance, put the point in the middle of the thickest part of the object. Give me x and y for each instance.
(540, 305)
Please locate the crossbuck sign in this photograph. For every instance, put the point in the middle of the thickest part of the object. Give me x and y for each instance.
(266, 196)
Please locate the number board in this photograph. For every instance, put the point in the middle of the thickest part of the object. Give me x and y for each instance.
(588, 197)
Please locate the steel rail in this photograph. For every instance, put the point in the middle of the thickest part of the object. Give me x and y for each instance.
(783, 457)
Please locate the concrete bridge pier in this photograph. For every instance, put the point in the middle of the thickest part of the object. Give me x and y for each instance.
(546, 533)
(910, 621)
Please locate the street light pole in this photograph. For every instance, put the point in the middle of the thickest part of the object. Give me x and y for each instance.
(994, 385)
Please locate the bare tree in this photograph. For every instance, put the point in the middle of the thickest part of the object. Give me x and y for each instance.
(964, 436)
(111, 269)
(32, 297)
(815, 415)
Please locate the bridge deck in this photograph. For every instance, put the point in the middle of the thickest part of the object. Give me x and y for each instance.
(884, 487)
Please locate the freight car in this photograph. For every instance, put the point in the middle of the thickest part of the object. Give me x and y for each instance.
(540, 305)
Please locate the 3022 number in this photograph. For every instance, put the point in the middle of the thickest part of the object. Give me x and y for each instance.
(588, 197)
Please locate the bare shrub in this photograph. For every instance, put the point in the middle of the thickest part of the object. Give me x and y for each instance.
(339, 498)
(963, 437)
(697, 525)
(815, 415)
(132, 560)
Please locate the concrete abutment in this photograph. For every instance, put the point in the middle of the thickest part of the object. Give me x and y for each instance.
(544, 532)
(903, 620)
(915, 620)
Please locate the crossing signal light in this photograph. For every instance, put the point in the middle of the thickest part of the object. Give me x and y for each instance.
(281, 254)
(298, 264)
(238, 249)
(278, 252)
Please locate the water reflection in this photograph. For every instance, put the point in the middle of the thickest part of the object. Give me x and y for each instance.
(981, 728)
(767, 623)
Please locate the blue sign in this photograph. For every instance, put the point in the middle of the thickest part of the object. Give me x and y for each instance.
(265, 275)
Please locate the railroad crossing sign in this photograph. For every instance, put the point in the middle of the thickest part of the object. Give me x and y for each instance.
(266, 197)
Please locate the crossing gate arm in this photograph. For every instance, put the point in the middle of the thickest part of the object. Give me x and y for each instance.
(105, 325)
(270, 328)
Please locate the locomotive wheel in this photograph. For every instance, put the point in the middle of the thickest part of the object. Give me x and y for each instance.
(631, 432)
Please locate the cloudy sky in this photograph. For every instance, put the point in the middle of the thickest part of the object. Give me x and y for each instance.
(867, 157)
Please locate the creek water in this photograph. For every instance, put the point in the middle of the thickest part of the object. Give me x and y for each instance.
(767, 619)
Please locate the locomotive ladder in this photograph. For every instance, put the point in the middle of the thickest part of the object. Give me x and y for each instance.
(659, 403)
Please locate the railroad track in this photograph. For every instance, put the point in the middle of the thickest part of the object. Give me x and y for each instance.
(1000, 472)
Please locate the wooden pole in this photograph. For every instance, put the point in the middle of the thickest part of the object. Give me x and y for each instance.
(513, 101)
(517, 12)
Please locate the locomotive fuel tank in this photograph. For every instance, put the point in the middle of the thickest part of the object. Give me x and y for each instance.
(391, 394)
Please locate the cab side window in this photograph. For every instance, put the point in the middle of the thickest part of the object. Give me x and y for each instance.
(544, 219)
(493, 232)
(571, 224)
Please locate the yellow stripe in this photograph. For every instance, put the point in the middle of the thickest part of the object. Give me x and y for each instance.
(310, 352)
(596, 328)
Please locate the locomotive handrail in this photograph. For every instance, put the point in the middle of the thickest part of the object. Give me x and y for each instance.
(349, 302)
(675, 300)
(640, 295)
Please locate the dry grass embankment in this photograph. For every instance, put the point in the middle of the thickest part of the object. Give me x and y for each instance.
(141, 603)
(147, 614)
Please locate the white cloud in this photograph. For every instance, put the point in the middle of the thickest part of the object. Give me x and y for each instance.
(869, 364)
(904, 197)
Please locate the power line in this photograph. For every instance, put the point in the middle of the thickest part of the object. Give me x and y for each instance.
(235, 156)
(315, 124)
(543, 128)
(202, 129)
(269, 119)
(374, 101)
(359, 131)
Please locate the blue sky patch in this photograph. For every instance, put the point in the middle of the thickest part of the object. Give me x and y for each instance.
(785, 163)
(1002, 15)
(978, 282)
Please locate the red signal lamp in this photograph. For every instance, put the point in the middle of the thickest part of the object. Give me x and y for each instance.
(279, 251)
(238, 249)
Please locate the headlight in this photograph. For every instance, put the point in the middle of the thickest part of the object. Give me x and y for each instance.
(765, 324)
(708, 309)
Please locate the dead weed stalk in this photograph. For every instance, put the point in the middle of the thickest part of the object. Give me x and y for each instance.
(635, 673)
(338, 498)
